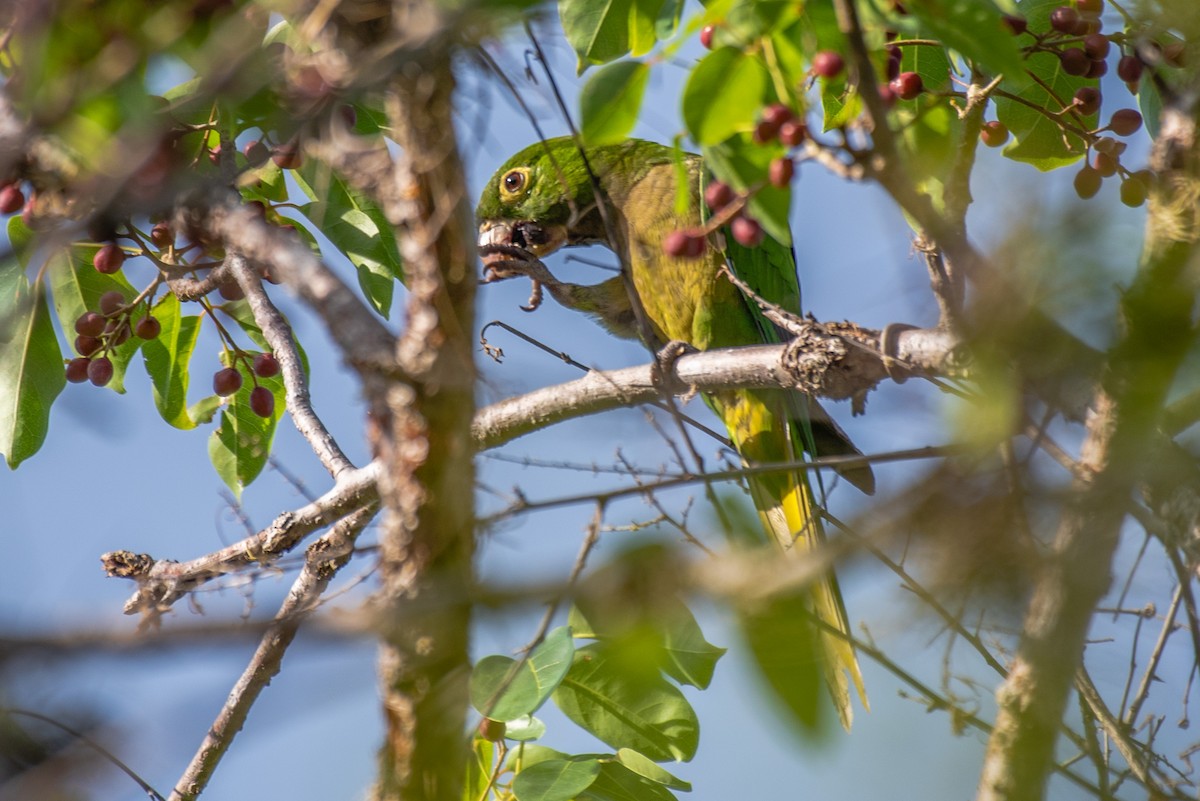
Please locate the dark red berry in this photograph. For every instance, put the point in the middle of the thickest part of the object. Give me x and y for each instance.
(894, 57)
(230, 290)
(227, 381)
(675, 244)
(108, 259)
(1096, 69)
(111, 302)
(780, 172)
(1089, 25)
(1133, 192)
(256, 152)
(262, 402)
(1129, 68)
(1087, 182)
(777, 114)
(1092, 7)
(214, 154)
(162, 235)
(1105, 164)
(148, 328)
(696, 244)
(87, 346)
(266, 365)
(718, 195)
(1064, 19)
(1125, 121)
(793, 133)
(12, 199)
(288, 156)
(1096, 46)
(746, 231)
(118, 332)
(1016, 25)
(907, 85)
(77, 370)
(1106, 144)
(887, 95)
(1074, 61)
(993, 133)
(1087, 100)
(100, 371)
(492, 730)
(90, 324)
(706, 36)
(827, 64)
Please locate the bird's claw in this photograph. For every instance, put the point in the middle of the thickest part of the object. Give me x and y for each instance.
(518, 262)
(663, 374)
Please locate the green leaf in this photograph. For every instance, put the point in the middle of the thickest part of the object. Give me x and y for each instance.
(724, 95)
(644, 767)
(555, 779)
(31, 365)
(643, 25)
(668, 19)
(611, 100)
(743, 164)
(503, 688)
(627, 709)
(167, 358)
(205, 409)
(525, 756)
(524, 728)
(974, 28)
(356, 227)
(479, 769)
(1150, 104)
(618, 783)
(241, 444)
(689, 658)
(785, 648)
(598, 30)
(77, 288)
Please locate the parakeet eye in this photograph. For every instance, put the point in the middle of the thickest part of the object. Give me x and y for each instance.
(513, 181)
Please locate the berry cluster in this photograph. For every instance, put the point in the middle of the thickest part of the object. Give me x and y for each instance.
(101, 331)
(228, 380)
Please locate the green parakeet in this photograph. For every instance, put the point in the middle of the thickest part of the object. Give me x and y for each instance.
(543, 198)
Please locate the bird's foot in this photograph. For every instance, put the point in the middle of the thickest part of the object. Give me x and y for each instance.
(501, 262)
(663, 374)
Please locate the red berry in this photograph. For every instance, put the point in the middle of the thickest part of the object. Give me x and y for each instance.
(227, 381)
(230, 291)
(108, 259)
(12, 199)
(1087, 182)
(111, 302)
(994, 133)
(1133, 192)
(1092, 7)
(780, 172)
(747, 232)
(162, 235)
(777, 114)
(1096, 69)
(262, 402)
(214, 154)
(77, 370)
(894, 57)
(256, 152)
(1105, 164)
(675, 244)
(288, 156)
(1074, 61)
(696, 244)
(118, 331)
(1087, 100)
(718, 195)
(1125, 121)
(765, 131)
(1106, 144)
(793, 133)
(1016, 25)
(87, 346)
(827, 64)
(706, 36)
(148, 328)
(266, 365)
(90, 324)
(1064, 19)
(1096, 46)
(907, 85)
(100, 371)
(887, 95)
(492, 730)
(1129, 68)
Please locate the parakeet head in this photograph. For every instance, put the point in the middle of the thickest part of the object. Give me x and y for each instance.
(536, 200)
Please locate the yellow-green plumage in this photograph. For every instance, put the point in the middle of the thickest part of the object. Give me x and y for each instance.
(665, 299)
